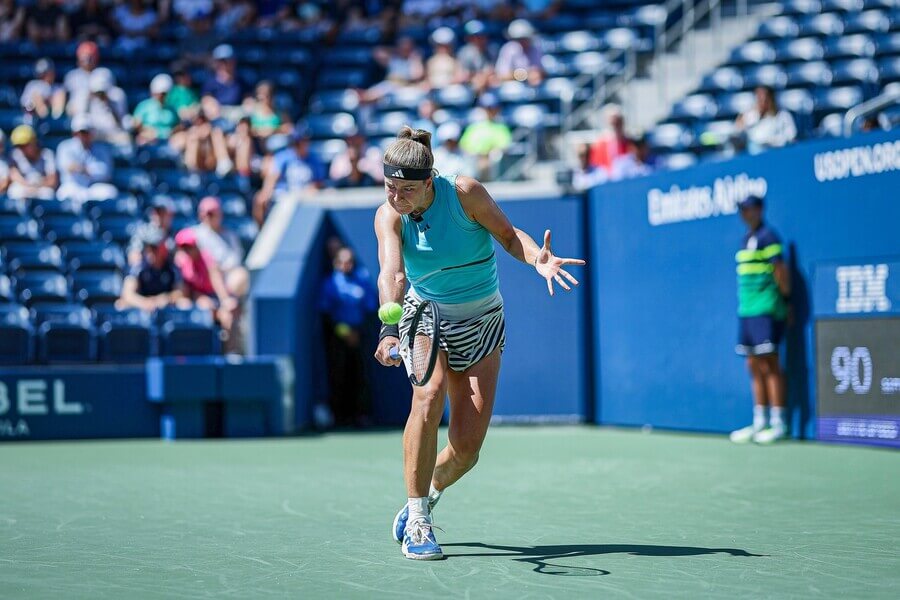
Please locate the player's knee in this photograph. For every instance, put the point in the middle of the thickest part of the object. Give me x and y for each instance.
(466, 454)
(429, 403)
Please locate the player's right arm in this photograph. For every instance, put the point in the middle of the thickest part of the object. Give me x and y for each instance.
(392, 275)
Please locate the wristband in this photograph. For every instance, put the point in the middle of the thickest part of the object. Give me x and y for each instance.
(389, 331)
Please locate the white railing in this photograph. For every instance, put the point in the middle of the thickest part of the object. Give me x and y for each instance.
(888, 97)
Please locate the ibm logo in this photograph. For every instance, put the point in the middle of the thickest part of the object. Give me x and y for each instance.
(862, 288)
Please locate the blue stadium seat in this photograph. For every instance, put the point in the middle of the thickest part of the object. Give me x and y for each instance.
(800, 49)
(13, 228)
(41, 208)
(831, 125)
(124, 205)
(696, 107)
(731, 105)
(406, 98)
(858, 45)
(680, 160)
(870, 21)
(889, 69)
(843, 5)
(800, 7)
(752, 53)
(331, 125)
(770, 75)
(334, 100)
(7, 290)
(513, 92)
(714, 134)
(12, 208)
(887, 44)
(187, 332)
(797, 101)
(454, 95)
(33, 256)
(363, 36)
(92, 287)
(723, 79)
(117, 228)
(125, 336)
(16, 335)
(245, 228)
(65, 333)
(810, 74)
(860, 71)
(42, 287)
(63, 228)
(778, 28)
(175, 181)
(234, 205)
(332, 79)
(530, 116)
(326, 150)
(575, 41)
(156, 157)
(388, 123)
(133, 180)
(822, 25)
(347, 56)
(840, 98)
(95, 255)
(671, 137)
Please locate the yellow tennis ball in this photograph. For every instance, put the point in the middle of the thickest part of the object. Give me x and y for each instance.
(390, 313)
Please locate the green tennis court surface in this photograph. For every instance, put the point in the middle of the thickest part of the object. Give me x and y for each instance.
(548, 513)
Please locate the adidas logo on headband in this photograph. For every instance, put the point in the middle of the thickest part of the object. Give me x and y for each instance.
(407, 172)
(398, 173)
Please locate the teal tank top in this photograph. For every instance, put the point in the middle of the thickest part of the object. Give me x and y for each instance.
(449, 257)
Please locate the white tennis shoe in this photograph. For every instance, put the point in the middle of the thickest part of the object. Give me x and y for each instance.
(745, 435)
(770, 435)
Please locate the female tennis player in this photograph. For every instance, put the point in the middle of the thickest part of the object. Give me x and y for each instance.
(434, 232)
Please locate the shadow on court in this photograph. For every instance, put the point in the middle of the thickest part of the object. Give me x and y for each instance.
(540, 555)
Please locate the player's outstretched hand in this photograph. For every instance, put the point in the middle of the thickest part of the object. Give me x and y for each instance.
(550, 266)
(383, 352)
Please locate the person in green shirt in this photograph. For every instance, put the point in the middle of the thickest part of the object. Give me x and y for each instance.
(182, 98)
(764, 288)
(153, 120)
(488, 138)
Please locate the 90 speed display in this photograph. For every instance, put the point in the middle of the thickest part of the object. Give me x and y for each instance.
(858, 380)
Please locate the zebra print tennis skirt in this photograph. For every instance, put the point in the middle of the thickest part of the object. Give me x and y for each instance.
(465, 341)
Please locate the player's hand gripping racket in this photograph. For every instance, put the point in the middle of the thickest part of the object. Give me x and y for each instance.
(419, 347)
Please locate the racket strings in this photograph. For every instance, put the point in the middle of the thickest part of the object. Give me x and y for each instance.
(422, 343)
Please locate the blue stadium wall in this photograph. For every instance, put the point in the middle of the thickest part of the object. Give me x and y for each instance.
(545, 375)
(662, 262)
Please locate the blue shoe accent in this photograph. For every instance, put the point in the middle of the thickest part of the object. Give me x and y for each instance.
(419, 542)
(400, 524)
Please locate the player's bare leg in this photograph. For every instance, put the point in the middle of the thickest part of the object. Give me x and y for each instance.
(472, 394)
(420, 434)
(773, 382)
(757, 366)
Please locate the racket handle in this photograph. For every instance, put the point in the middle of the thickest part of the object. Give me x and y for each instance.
(394, 353)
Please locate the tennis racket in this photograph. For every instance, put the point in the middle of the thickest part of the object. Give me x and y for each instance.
(419, 348)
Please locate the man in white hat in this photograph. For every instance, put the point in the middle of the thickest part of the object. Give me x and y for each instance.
(107, 108)
(449, 159)
(520, 57)
(442, 68)
(85, 166)
(153, 120)
(42, 96)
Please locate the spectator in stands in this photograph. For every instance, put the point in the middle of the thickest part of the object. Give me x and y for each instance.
(294, 169)
(203, 145)
(539, 10)
(85, 166)
(637, 163)
(765, 125)
(12, 20)
(487, 137)
(356, 177)
(223, 245)
(425, 115)
(46, 22)
(188, 11)
(182, 98)
(234, 15)
(33, 169)
(200, 39)
(346, 302)
(223, 83)
(476, 58)
(367, 156)
(442, 68)
(4, 166)
(107, 108)
(243, 147)
(587, 175)
(42, 96)
(764, 290)
(203, 281)
(91, 22)
(613, 142)
(153, 120)
(491, 10)
(77, 81)
(404, 68)
(448, 157)
(159, 219)
(305, 16)
(264, 117)
(154, 282)
(135, 23)
(520, 58)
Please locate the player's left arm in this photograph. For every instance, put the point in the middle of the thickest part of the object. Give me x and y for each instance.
(481, 207)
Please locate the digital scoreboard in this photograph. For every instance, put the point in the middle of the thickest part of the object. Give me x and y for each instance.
(858, 380)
